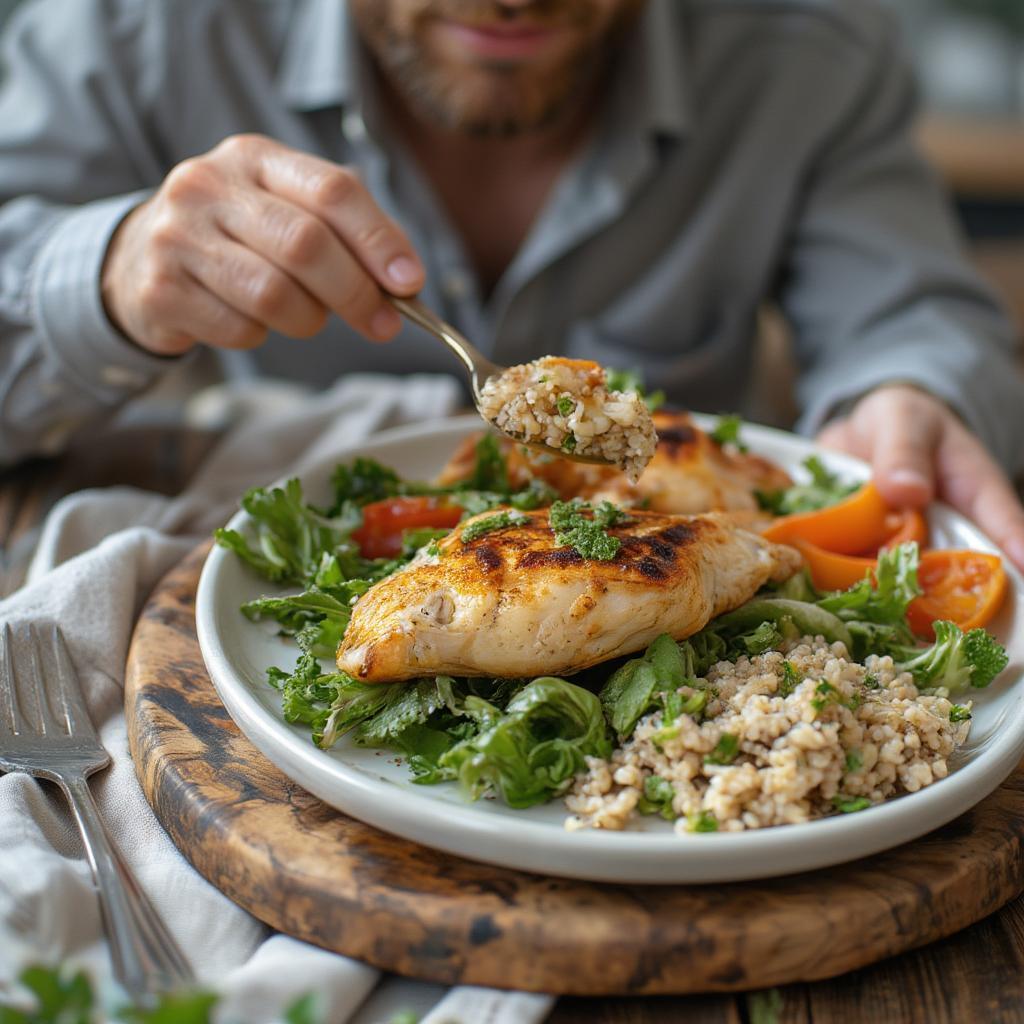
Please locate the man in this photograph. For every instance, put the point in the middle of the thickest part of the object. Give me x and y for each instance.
(615, 179)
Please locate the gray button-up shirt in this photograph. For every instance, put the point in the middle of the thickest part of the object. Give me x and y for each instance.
(749, 150)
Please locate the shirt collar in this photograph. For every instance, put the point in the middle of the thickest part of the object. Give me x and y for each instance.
(317, 68)
(320, 63)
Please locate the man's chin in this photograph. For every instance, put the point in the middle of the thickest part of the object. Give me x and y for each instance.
(482, 109)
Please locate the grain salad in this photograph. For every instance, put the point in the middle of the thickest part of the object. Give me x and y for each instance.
(565, 404)
(784, 737)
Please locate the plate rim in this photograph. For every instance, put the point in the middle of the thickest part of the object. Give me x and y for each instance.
(654, 857)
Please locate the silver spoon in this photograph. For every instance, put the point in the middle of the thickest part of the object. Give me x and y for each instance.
(480, 368)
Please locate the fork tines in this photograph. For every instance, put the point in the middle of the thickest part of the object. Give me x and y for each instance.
(41, 695)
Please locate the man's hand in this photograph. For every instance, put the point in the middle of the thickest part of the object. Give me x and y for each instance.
(251, 237)
(919, 450)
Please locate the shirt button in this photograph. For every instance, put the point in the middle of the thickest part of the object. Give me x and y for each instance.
(121, 377)
(456, 284)
(353, 126)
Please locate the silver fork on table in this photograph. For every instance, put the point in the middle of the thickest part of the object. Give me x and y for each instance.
(45, 730)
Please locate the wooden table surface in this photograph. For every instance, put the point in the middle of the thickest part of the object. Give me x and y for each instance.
(974, 976)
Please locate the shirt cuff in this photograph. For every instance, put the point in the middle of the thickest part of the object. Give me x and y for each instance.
(69, 308)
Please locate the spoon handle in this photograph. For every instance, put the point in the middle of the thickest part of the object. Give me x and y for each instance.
(479, 366)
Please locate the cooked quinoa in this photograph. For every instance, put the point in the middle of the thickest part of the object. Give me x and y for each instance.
(825, 735)
(564, 404)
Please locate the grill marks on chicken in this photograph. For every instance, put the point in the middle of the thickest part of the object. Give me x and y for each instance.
(513, 603)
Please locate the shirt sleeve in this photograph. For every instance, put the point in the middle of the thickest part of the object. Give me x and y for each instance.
(876, 286)
(75, 76)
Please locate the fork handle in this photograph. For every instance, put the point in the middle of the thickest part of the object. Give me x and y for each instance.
(145, 957)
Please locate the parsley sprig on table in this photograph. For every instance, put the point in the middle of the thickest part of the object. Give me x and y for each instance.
(60, 996)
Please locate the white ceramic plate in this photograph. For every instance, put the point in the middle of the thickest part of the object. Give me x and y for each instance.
(374, 787)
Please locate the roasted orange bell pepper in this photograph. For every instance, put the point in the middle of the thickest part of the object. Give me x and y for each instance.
(855, 525)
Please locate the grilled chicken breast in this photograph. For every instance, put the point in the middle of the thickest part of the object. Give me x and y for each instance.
(689, 473)
(513, 603)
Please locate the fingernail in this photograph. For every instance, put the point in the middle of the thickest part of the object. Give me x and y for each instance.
(384, 323)
(404, 272)
(906, 477)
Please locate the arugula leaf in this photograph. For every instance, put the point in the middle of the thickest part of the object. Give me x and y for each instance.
(532, 751)
(885, 598)
(766, 637)
(791, 618)
(632, 380)
(727, 431)
(364, 481)
(291, 536)
(490, 472)
(630, 691)
(824, 489)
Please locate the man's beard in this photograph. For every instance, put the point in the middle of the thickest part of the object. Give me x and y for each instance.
(496, 100)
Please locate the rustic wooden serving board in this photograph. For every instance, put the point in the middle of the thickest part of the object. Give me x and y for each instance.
(314, 873)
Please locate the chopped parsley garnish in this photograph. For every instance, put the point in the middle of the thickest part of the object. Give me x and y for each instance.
(657, 798)
(701, 821)
(850, 804)
(566, 405)
(871, 682)
(676, 704)
(569, 444)
(827, 694)
(728, 432)
(725, 750)
(790, 679)
(498, 521)
(854, 762)
(959, 713)
(588, 536)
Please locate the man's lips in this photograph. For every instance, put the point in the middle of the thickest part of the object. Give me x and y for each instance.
(501, 40)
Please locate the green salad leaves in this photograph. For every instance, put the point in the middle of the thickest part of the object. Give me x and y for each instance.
(823, 489)
(524, 740)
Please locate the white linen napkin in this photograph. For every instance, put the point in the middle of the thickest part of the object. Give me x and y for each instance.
(99, 555)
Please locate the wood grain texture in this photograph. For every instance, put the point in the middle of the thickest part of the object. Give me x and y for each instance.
(314, 873)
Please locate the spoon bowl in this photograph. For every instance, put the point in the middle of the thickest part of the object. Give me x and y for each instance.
(480, 368)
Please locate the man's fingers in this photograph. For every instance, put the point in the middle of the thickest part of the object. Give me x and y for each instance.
(840, 435)
(974, 485)
(308, 250)
(904, 441)
(336, 195)
(255, 288)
